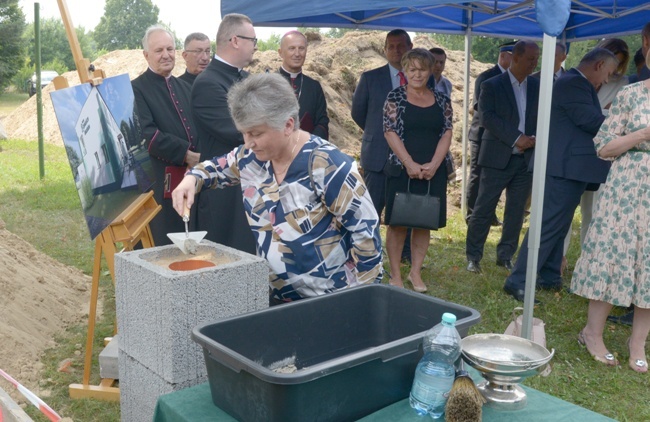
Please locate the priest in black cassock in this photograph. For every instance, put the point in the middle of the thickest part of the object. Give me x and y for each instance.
(221, 211)
(313, 106)
(163, 108)
(196, 53)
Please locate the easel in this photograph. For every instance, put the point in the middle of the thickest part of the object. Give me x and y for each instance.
(129, 228)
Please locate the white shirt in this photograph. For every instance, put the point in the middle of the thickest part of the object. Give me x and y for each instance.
(520, 90)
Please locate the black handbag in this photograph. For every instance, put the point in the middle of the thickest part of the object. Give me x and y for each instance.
(415, 211)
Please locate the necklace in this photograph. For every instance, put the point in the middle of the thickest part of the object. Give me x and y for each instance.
(286, 167)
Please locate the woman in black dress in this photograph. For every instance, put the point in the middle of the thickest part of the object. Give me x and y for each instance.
(417, 126)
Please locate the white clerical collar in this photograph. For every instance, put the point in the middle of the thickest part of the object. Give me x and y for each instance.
(166, 77)
(293, 75)
(216, 56)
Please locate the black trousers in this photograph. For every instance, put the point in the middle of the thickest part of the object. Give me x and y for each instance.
(517, 182)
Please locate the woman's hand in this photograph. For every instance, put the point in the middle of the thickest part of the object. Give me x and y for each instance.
(183, 195)
(429, 170)
(413, 169)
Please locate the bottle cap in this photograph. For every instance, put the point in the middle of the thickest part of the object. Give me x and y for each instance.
(449, 318)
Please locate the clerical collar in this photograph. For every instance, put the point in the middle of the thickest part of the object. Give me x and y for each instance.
(166, 77)
(216, 56)
(293, 75)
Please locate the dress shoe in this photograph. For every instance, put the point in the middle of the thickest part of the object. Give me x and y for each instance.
(474, 267)
(518, 294)
(554, 286)
(506, 263)
(625, 319)
(496, 222)
(420, 288)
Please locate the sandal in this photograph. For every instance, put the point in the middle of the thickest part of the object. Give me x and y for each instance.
(637, 365)
(608, 358)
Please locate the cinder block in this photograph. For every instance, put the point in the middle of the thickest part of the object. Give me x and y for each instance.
(138, 396)
(157, 308)
(108, 367)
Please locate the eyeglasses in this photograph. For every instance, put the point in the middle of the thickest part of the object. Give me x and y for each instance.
(248, 38)
(199, 52)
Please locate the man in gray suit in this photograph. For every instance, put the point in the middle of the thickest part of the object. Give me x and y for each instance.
(368, 112)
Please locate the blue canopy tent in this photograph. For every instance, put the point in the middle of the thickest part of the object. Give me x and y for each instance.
(571, 20)
(509, 19)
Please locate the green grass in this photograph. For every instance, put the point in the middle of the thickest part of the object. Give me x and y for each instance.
(47, 213)
(10, 100)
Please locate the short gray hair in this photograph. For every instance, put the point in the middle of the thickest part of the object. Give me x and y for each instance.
(596, 55)
(229, 25)
(199, 36)
(151, 30)
(265, 98)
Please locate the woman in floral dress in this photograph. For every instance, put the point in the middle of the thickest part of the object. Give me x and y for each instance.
(614, 267)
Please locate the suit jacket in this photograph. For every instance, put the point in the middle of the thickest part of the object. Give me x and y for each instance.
(500, 118)
(576, 117)
(313, 105)
(368, 112)
(475, 129)
(217, 132)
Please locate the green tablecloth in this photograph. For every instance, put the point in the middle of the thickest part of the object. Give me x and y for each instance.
(195, 405)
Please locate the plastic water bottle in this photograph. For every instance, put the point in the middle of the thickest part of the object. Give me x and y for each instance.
(435, 372)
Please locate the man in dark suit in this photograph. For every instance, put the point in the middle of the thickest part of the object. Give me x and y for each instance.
(560, 57)
(508, 107)
(573, 164)
(221, 211)
(368, 112)
(476, 130)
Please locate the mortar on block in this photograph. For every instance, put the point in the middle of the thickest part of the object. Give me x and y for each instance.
(158, 307)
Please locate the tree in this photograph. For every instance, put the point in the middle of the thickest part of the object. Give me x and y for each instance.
(124, 23)
(273, 43)
(12, 24)
(55, 46)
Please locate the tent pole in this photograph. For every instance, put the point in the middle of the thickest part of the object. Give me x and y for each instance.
(466, 105)
(539, 176)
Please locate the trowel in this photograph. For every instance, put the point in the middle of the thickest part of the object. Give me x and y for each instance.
(187, 242)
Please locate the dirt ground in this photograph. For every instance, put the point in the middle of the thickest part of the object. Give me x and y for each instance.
(41, 296)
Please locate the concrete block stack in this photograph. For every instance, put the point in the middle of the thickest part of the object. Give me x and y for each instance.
(157, 308)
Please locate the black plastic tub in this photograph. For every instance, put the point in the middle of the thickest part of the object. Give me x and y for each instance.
(355, 352)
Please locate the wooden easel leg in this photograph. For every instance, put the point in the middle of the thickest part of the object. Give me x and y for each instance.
(92, 313)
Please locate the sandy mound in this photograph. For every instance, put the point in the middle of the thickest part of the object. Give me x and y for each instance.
(335, 63)
(40, 297)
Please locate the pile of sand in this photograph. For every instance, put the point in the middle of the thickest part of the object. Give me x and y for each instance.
(40, 298)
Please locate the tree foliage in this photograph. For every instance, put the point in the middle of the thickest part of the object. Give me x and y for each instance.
(12, 24)
(273, 43)
(124, 23)
(55, 47)
(484, 49)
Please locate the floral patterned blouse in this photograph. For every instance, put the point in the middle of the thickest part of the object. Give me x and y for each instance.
(317, 235)
(394, 110)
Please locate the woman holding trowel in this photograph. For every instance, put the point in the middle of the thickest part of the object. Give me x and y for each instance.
(307, 205)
